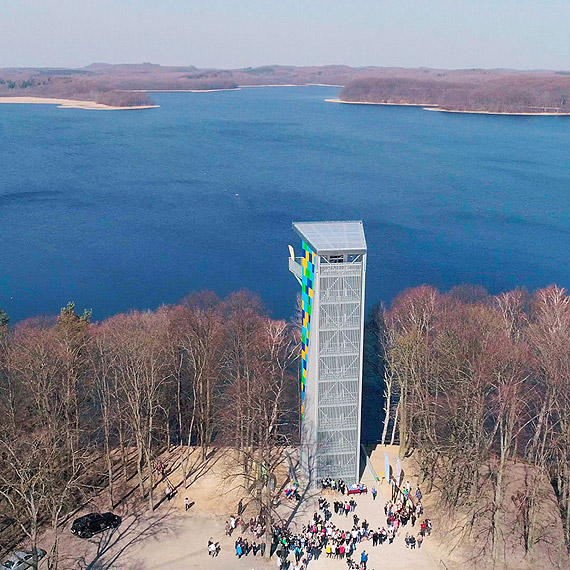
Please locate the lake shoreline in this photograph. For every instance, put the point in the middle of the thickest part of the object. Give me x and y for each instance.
(181, 90)
(434, 107)
(72, 104)
(521, 114)
(423, 105)
(229, 88)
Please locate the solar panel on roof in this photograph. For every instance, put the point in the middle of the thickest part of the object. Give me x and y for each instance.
(327, 237)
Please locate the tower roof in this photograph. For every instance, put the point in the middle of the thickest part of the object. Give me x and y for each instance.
(333, 237)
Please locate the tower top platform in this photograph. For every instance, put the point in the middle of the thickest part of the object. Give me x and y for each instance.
(333, 237)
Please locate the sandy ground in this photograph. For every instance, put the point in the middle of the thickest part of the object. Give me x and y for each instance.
(71, 104)
(177, 539)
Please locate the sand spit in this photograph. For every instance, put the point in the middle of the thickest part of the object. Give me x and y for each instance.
(497, 113)
(383, 104)
(72, 104)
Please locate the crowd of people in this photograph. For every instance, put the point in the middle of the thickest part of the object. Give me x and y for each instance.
(321, 537)
(334, 485)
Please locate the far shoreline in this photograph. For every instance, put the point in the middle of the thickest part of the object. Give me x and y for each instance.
(434, 107)
(72, 104)
(521, 114)
(238, 88)
(423, 105)
(181, 90)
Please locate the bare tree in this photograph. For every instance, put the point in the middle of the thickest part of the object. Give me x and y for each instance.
(39, 482)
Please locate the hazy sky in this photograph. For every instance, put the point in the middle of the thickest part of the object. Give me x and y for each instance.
(524, 34)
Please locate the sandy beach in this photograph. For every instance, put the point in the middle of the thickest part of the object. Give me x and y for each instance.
(71, 104)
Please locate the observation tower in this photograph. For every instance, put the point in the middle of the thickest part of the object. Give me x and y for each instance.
(331, 272)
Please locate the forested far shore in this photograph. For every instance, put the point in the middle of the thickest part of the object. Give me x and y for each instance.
(514, 93)
(495, 90)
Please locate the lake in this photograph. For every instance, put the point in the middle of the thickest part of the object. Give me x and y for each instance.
(120, 210)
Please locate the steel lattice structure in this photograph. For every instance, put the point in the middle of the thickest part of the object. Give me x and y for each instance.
(332, 275)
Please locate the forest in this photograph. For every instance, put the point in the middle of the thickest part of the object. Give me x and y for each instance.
(78, 399)
(479, 387)
(476, 391)
(514, 93)
(462, 89)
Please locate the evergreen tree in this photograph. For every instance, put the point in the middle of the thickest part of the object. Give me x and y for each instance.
(4, 319)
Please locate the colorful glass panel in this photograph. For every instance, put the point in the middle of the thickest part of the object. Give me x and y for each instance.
(308, 277)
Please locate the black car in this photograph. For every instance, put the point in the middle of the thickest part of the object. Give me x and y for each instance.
(88, 525)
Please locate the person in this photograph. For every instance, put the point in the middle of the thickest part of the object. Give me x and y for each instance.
(374, 492)
(394, 488)
(169, 491)
(213, 548)
(160, 468)
(419, 540)
(186, 503)
(364, 559)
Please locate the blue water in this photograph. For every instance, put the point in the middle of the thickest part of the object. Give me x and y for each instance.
(119, 210)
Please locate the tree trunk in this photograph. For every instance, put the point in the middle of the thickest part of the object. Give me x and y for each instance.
(167, 427)
(395, 424)
(123, 452)
(109, 459)
(179, 406)
(387, 405)
(150, 482)
(140, 459)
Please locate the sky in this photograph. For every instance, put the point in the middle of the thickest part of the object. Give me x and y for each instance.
(520, 34)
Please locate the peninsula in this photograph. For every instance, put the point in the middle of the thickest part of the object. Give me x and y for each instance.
(499, 92)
